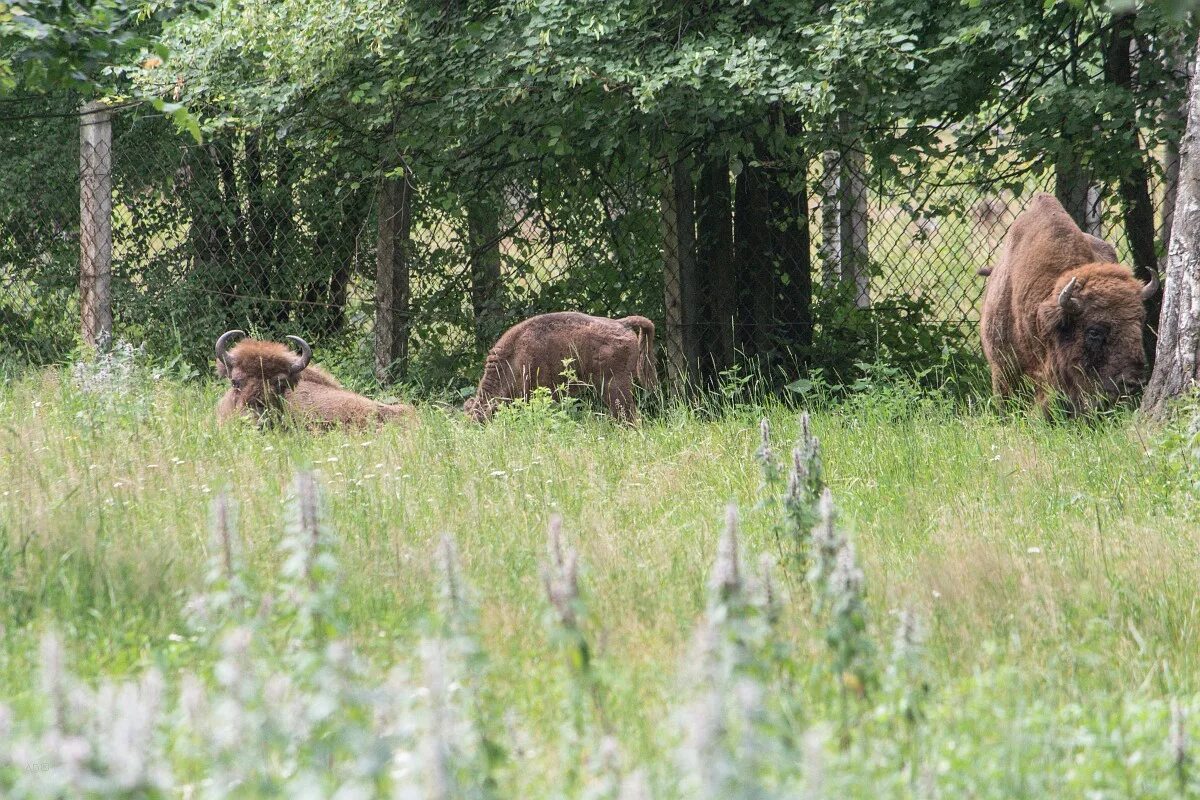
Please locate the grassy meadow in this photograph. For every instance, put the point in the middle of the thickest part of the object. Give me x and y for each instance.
(1042, 577)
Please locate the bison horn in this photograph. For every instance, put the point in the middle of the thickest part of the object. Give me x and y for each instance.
(1067, 299)
(1151, 288)
(305, 355)
(223, 344)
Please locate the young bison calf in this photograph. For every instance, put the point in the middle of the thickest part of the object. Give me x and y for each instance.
(608, 354)
(267, 377)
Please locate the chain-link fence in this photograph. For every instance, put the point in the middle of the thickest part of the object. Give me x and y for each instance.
(414, 275)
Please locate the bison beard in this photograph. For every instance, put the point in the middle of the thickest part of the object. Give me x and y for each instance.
(610, 355)
(267, 380)
(1060, 313)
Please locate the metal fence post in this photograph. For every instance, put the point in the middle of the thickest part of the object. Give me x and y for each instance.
(95, 223)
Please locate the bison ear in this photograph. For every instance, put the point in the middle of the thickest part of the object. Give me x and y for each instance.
(222, 369)
(1051, 318)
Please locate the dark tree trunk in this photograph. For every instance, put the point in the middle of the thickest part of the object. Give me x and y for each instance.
(753, 274)
(483, 243)
(233, 222)
(259, 256)
(774, 262)
(714, 267)
(678, 227)
(792, 258)
(200, 190)
(1137, 208)
(392, 295)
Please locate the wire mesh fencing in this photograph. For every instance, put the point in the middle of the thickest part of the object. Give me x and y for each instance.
(404, 275)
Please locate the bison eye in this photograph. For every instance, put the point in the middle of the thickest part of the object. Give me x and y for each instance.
(237, 384)
(1095, 335)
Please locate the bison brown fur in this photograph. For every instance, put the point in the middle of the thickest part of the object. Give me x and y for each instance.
(267, 378)
(1059, 312)
(610, 355)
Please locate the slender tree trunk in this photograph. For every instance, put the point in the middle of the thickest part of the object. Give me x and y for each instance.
(1137, 209)
(257, 256)
(831, 219)
(855, 258)
(483, 235)
(714, 265)
(1092, 215)
(679, 273)
(233, 222)
(95, 224)
(1180, 65)
(1071, 185)
(343, 255)
(1179, 330)
(392, 295)
(207, 236)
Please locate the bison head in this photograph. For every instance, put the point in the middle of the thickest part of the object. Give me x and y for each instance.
(260, 373)
(1092, 329)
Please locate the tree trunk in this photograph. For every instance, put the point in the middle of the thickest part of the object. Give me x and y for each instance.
(483, 235)
(1071, 185)
(792, 249)
(1179, 329)
(679, 273)
(714, 266)
(339, 257)
(259, 256)
(1137, 209)
(774, 258)
(1180, 65)
(1092, 214)
(391, 277)
(855, 258)
(831, 219)
(95, 224)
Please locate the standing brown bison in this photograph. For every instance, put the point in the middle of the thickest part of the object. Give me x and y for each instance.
(1058, 311)
(609, 354)
(267, 377)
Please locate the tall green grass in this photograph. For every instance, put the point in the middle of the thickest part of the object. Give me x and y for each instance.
(1051, 570)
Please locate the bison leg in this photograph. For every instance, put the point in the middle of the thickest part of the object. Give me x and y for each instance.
(1000, 383)
(618, 396)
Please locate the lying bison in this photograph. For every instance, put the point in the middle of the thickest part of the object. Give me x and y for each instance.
(266, 378)
(608, 354)
(1060, 312)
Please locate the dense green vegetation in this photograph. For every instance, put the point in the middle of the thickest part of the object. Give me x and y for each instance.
(536, 141)
(936, 601)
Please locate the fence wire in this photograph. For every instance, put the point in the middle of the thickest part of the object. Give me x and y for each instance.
(250, 230)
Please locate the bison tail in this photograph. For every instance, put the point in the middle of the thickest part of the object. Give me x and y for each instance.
(646, 373)
(495, 384)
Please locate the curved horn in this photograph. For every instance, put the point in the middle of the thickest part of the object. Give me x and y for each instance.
(223, 344)
(305, 356)
(1151, 288)
(1066, 298)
